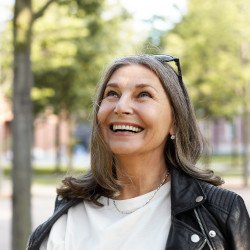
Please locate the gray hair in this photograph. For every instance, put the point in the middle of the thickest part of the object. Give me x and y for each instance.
(181, 153)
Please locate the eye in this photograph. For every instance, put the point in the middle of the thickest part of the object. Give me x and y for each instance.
(145, 94)
(111, 93)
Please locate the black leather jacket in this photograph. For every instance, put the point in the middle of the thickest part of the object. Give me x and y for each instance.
(203, 217)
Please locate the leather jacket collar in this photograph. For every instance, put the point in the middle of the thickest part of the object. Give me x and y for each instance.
(186, 195)
(186, 192)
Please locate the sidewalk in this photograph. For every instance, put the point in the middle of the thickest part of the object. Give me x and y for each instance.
(43, 204)
(43, 197)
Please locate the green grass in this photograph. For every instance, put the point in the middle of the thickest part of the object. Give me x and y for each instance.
(225, 165)
(226, 159)
(50, 170)
(47, 175)
(45, 180)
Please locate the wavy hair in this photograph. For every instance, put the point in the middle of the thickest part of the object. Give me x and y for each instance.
(181, 153)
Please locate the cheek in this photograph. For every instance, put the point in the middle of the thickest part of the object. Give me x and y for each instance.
(99, 117)
(156, 116)
(103, 113)
(101, 121)
(160, 120)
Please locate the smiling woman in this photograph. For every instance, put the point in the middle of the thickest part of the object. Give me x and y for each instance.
(134, 97)
(144, 190)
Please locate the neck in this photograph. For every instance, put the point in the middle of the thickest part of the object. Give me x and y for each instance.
(139, 175)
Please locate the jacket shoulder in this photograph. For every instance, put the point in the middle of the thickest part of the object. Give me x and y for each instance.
(230, 212)
(219, 197)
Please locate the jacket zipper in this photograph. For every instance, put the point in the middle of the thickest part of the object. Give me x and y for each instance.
(203, 244)
(203, 230)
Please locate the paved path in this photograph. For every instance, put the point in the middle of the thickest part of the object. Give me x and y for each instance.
(43, 204)
(42, 207)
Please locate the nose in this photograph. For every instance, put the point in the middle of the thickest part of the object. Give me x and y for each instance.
(123, 105)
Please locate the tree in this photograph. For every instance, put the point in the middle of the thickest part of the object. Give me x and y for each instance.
(213, 41)
(23, 21)
(22, 124)
(77, 52)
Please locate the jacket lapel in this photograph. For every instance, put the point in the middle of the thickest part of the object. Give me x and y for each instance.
(186, 194)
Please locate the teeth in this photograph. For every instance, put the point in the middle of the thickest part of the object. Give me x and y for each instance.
(127, 128)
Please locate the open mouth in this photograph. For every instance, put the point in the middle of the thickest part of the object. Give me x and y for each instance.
(125, 128)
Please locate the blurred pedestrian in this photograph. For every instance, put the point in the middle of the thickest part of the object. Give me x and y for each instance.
(144, 190)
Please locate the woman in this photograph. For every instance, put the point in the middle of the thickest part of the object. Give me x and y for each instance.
(143, 190)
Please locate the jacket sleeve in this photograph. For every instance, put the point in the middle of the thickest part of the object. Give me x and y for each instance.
(238, 225)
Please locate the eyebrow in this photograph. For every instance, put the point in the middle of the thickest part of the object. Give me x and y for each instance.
(113, 85)
(138, 86)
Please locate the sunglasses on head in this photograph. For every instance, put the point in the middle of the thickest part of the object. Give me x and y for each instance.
(168, 58)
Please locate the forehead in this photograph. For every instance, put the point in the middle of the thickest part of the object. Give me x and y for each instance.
(134, 73)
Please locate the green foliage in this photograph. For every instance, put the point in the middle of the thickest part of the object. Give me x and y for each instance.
(72, 43)
(209, 42)
(81, 8)
(69, 54)
(6, 60)
(56, 88)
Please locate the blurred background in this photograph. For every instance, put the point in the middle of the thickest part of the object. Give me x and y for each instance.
(52, 54)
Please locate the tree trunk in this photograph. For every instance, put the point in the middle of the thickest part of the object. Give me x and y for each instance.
(246, 140)
(22, 125)
(245, 60)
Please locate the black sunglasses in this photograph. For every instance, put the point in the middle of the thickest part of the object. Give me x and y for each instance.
(169, 58)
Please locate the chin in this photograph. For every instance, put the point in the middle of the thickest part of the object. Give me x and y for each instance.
(123, 151)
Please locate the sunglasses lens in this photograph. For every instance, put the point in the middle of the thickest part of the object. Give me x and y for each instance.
(165, 58)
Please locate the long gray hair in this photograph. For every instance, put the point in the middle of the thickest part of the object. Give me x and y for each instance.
(181, 153)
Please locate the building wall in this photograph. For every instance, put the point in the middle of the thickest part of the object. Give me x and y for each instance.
(5, 124)
(45, 132)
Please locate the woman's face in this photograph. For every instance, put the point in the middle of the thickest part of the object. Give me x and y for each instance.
(135, 114)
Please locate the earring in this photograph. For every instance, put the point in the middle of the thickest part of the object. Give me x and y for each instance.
(172, 137)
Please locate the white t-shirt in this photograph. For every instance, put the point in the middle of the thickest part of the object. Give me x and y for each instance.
(90, 227)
